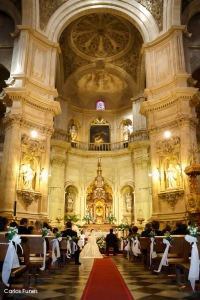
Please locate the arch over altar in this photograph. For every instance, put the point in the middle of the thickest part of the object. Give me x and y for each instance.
(99, 198)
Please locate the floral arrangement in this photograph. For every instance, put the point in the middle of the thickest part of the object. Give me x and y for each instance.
(193, 231)
(68, 238)
(101, 242)
(112, 218)
(87, 217)
(152, 234)
(12, 231)
(71, 217)
(123, 226)
(58, 234)
(75, 238)
(137, 235)
(168, 237)
(45, 232)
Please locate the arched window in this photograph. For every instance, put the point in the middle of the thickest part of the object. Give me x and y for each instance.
(100, 105)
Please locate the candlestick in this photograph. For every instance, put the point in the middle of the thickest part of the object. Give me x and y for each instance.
(15, 208)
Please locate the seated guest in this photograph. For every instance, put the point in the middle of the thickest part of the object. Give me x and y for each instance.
(13, 224)
(111, 241)
(148, 228)
(5, 223)
(55, 230)
(166, 229)
(38, 227)
(1, 224)
(155, 227)
(134, 230)
(179, 230)
(23, 227)
(31, 228)
(70, 232)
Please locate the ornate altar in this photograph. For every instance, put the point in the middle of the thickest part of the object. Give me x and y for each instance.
(99, 198)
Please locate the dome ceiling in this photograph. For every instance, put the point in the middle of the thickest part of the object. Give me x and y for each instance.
(99, 52)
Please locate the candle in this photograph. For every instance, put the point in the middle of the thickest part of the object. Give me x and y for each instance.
(15, 208)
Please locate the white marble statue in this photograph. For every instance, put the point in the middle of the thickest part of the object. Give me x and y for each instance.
(73, 133)
(70, 202)
(28, 175)
(126, 134)
(171, 175)
(128, 201)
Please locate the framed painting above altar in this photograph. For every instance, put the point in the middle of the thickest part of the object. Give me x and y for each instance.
(99, 134)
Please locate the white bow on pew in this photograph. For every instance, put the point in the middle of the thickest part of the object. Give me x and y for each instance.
(164, 261)
(152, 253)
(11, 260)
(56, 247)
(194, 261)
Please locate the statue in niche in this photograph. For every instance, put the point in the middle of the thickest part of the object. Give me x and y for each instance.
(73, 133)
(172, 177)
(126, 134)
(128, 201)
(70, 202)
(28, 175)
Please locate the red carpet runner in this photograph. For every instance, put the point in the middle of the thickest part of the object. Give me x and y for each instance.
(105, 282)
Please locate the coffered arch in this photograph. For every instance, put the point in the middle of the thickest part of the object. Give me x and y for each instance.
(134, 12)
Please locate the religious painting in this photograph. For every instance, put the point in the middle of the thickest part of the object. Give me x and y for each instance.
(99, 134)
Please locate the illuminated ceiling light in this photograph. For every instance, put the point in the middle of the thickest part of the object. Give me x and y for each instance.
(167, 134)
(34, 133)
(150, 174)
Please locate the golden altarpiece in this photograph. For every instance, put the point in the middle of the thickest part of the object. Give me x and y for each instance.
(99, 198)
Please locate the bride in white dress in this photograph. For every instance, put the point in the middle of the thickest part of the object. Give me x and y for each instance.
(91, 249)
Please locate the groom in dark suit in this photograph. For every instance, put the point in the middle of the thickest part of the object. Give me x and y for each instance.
(70, 232)
(111, 241)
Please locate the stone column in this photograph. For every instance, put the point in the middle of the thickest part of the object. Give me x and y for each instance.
(141, 162)
(168, 109)
(10, 163)
(57, 181)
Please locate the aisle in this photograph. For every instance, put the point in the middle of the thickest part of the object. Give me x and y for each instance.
(105, 282)
(70, 284)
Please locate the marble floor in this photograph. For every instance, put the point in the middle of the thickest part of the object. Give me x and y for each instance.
(69, 284)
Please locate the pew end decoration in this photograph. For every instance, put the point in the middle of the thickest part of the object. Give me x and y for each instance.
(45, 232)
(153, 254)
(56, 247)
(164, 262)
(194, 261)
(11, 259)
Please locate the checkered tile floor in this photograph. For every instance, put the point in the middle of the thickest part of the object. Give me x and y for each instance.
(69, 284)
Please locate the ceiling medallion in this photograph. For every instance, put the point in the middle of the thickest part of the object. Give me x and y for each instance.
(100, 36)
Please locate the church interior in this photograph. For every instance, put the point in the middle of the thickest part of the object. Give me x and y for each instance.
(99, 112)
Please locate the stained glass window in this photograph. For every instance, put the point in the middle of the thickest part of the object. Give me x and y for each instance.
(100, 105)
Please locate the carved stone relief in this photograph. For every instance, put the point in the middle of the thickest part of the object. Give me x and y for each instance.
(100, 35)
(47, 8)
(171, 197)
(130, 61)
(28, 197)
(32, 144)
(167, 145)
(156, 9)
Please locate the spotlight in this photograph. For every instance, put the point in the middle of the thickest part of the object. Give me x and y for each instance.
(167, 134)
(34, 133)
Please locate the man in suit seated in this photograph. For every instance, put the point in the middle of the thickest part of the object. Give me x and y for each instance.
(70, 232)
(23, 227)
(111, 241)
(148, 229)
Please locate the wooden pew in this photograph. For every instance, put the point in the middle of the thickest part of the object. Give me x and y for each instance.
(182, 270)
(15, 273)
(33, 255)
